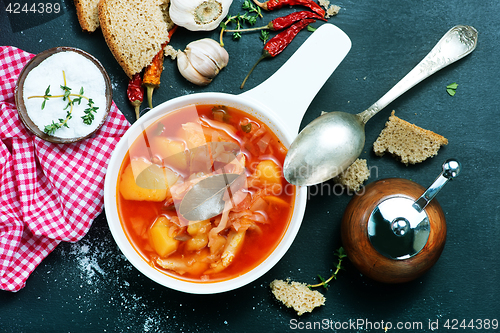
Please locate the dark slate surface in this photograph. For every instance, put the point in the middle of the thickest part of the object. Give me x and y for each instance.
(90, 287)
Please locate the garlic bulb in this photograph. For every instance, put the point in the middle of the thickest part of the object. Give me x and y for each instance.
(201, 61)
(197, 15)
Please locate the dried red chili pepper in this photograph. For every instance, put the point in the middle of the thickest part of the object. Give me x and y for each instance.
(135, 93)
(276, 4)
(152, 73)
(284, 22)
(279, 42)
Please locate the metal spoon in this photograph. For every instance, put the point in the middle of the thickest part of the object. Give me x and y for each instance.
(332, 142)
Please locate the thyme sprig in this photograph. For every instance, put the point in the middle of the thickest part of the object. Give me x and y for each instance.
(340, 254)
(240, 19)
(88, 117)
(71, 99)
(251, 7)
(264, 36)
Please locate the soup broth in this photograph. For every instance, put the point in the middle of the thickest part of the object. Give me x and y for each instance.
(188, 146)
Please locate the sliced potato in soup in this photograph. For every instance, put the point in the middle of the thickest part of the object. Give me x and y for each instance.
(141, 181)
(172, 150)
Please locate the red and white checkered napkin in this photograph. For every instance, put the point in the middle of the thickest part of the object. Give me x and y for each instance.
(48, 192)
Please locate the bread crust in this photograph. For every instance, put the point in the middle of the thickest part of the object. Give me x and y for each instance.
(297, 295)
(354, 176)
(134, 30)
(88, 15)
(408, 142)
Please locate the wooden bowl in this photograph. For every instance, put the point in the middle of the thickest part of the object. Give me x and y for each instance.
(19, 98)
(362, 253)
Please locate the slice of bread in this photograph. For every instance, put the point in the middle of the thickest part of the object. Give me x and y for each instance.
(88, 14)
(297, 295)
(354, 176)
(407, 142)
(134, 30)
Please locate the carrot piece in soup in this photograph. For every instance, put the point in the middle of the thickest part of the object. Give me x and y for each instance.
(269, 172)
(271, 199)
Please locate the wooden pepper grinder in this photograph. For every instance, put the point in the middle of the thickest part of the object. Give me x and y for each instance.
(393, 233)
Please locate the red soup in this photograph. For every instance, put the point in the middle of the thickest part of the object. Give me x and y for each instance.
(182, 149)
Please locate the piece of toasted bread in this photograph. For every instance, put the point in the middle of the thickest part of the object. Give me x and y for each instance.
(134, 30)
(88, 14)
(408, 142)
(297, 295)
(354, 176)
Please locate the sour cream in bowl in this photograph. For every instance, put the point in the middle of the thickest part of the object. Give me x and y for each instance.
(63, 95)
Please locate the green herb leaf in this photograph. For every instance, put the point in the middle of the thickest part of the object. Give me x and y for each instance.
(247, 128)
(250, 6)
(252, 20)
(240, 19)
(451, 92)
(264, 36)
(67, 91)
(77, 100)
(88, 118)
(52, 128)
(451, 88)
(323, 281)
(247, 4)
(340, 253)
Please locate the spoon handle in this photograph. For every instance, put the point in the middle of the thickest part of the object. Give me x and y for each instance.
(458, 42)
(451, 169)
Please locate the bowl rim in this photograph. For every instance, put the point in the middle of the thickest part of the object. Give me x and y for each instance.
(19, 98)
(110, 195)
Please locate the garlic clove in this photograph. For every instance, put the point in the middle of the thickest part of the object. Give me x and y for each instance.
(196, 15)
(202, 61)
(202, 64)
(188, 71)
(210, 49)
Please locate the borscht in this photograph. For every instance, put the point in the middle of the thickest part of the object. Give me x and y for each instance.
(165, 173)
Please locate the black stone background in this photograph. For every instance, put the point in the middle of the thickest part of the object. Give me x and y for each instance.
(89, 286)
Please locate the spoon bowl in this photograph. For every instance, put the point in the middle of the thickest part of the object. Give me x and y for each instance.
(332, 142)
(334, 136)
